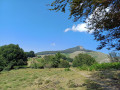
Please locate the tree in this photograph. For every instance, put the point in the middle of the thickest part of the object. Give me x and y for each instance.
(55, 61)
(102, 17)
(30, 54)
(11, 55)
(83, 59)
(51, 61)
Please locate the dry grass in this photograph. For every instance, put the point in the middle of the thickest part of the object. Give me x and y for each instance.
(59, 79)
(43, 79)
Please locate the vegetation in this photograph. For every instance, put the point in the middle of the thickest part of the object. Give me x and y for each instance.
(103, 66)
(10, 56)
(57, 73)
(102, 16)
(41, 79)
(99, 57)
(50, 61)
(104, 80)
(59, 79)
(30, 54)
(63, 64)
(83, 59)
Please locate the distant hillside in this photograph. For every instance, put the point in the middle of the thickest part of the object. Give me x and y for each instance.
(100, 57)
(72, 52)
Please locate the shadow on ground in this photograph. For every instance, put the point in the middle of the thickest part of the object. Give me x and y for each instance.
(104, 80)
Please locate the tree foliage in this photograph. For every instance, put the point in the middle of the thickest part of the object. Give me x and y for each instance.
(63, 64)
(11, 55)
(54, 61)
(102, 17)
(30, 54)
(83, 59)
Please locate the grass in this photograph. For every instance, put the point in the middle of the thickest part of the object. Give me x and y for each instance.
(104, 80)
(41, 79)
(59, 79)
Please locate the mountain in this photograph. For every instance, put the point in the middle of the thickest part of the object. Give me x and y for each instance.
(72, 52)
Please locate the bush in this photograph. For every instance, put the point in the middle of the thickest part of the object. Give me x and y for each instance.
(83, 59)
(103, 66)
(69, 59)
(37, 64)
(63, 64)
(33, 65)
(51, 61)
(11, 55)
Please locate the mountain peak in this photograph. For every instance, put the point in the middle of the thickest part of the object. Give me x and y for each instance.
(80, 47)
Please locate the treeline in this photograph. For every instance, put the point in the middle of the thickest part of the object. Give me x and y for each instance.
(12, 56)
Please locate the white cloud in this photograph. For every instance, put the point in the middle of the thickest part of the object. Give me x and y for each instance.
(79, 28)
(53, 44)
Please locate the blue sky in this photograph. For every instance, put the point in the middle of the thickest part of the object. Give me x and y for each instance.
(30, 24)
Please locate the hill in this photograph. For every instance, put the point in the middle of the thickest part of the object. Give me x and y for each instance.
(72, 52)
(69, 50)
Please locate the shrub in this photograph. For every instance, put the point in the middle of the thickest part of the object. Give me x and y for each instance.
(11, 55)
(102, 66)
(40, 63)
(33, 65)
(37, 64)
(83, 59)
(51, 61)
(69, 59)
(63, 64)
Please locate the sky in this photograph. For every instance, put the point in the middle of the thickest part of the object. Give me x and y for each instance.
(30, 24)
